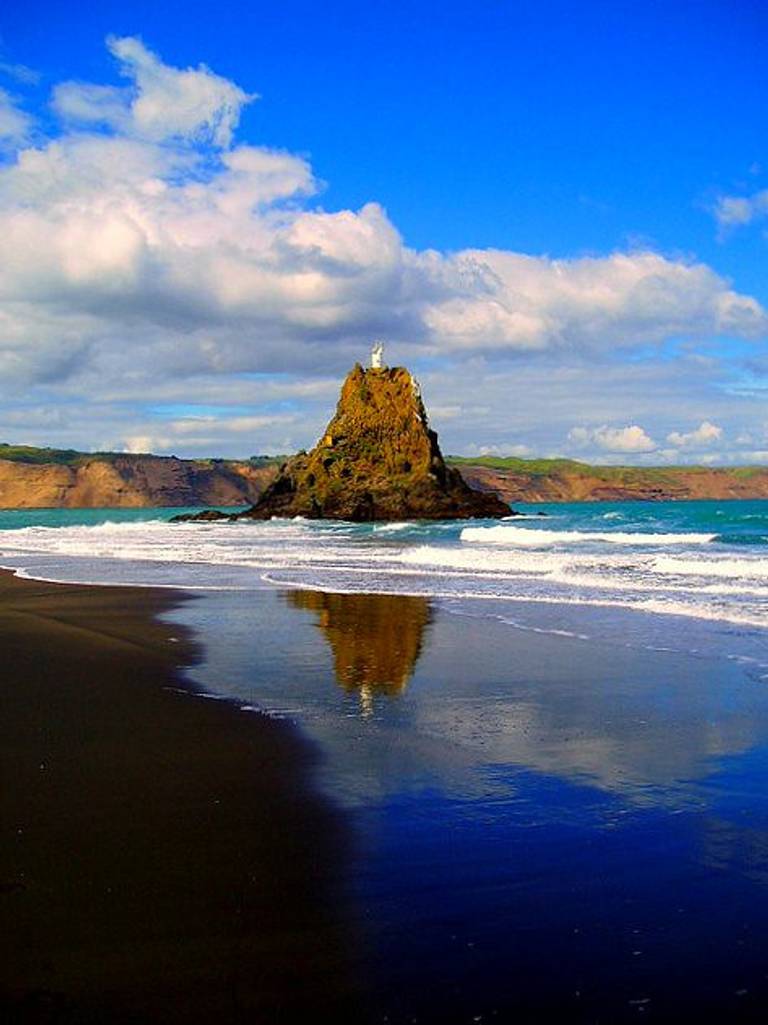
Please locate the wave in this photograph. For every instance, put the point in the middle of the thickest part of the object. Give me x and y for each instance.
(714, 613)
(480, 560)
(687, 576)
(738, 569)
(538, 538)
(630, 572)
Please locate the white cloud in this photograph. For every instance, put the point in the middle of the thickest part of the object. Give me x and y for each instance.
(20, 72)
(143, 253)
(163, 102)
(87, 103)
(142, 249)
(705, 434)
(504, 450)
(735, 211)
(532, 403)
(226, 425)
(613, 439)
(15, 124)
(141, 444)
(208, 433)
(515, 301)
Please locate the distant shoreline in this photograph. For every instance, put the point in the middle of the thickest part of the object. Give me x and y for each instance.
(37, 478)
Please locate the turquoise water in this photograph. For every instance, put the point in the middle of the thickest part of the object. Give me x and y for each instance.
(17, 519)
(733, 522)
(736, 521)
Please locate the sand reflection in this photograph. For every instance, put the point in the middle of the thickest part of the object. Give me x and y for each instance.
(376, 639)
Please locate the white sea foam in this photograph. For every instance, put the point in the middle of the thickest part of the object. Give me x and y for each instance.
(501, 562)
(755, 568)
(540, 538)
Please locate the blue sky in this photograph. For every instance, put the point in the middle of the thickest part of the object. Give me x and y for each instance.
(554, 213)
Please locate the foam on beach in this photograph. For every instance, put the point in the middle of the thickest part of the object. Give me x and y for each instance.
(655, 569)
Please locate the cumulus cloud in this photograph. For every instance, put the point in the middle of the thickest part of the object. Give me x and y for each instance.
(512, 300)
(144, 251)
(705, 434)
(142, 444)
(613, 439)
(142, 237)
(736, 211)
(502, 450)
(161, 103)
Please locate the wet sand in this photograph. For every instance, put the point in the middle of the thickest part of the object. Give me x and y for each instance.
(164, 857)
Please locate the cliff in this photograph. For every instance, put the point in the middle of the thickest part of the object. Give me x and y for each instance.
(39, 478)
(376, 460)
(565, 480)
(33, 478)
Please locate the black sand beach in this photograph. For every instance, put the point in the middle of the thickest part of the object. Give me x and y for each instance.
(516, 827)
(163, 857)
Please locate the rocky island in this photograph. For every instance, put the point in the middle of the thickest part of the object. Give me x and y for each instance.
(378, 459)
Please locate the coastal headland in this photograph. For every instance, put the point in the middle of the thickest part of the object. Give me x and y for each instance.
(165, 857)
(39, 478)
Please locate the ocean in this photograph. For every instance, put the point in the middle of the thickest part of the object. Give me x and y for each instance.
(689, 575)
(548, 735)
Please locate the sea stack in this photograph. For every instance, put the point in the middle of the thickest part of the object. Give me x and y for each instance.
(377, 460)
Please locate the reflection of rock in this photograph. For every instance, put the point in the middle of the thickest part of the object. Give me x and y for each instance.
(376, 638)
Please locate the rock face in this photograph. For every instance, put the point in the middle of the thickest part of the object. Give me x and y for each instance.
(377, 460)
(561, 480)
(129, 482)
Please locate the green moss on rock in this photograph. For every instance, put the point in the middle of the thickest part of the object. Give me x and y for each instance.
(377, 460)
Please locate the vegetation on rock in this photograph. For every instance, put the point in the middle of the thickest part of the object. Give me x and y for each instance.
(377, 460)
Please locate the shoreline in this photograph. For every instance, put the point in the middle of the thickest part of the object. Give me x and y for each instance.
(165, 857)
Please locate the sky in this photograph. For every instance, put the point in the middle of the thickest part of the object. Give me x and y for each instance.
(555, 214)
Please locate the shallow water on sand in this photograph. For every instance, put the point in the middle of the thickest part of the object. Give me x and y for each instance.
(547, 828)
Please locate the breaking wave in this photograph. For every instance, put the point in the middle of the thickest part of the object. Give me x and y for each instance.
(541, 538)
(662, 563)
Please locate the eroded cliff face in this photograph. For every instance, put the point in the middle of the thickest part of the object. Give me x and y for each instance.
(129, 482)
(377, 460)
(76, 480)
(620, 484)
